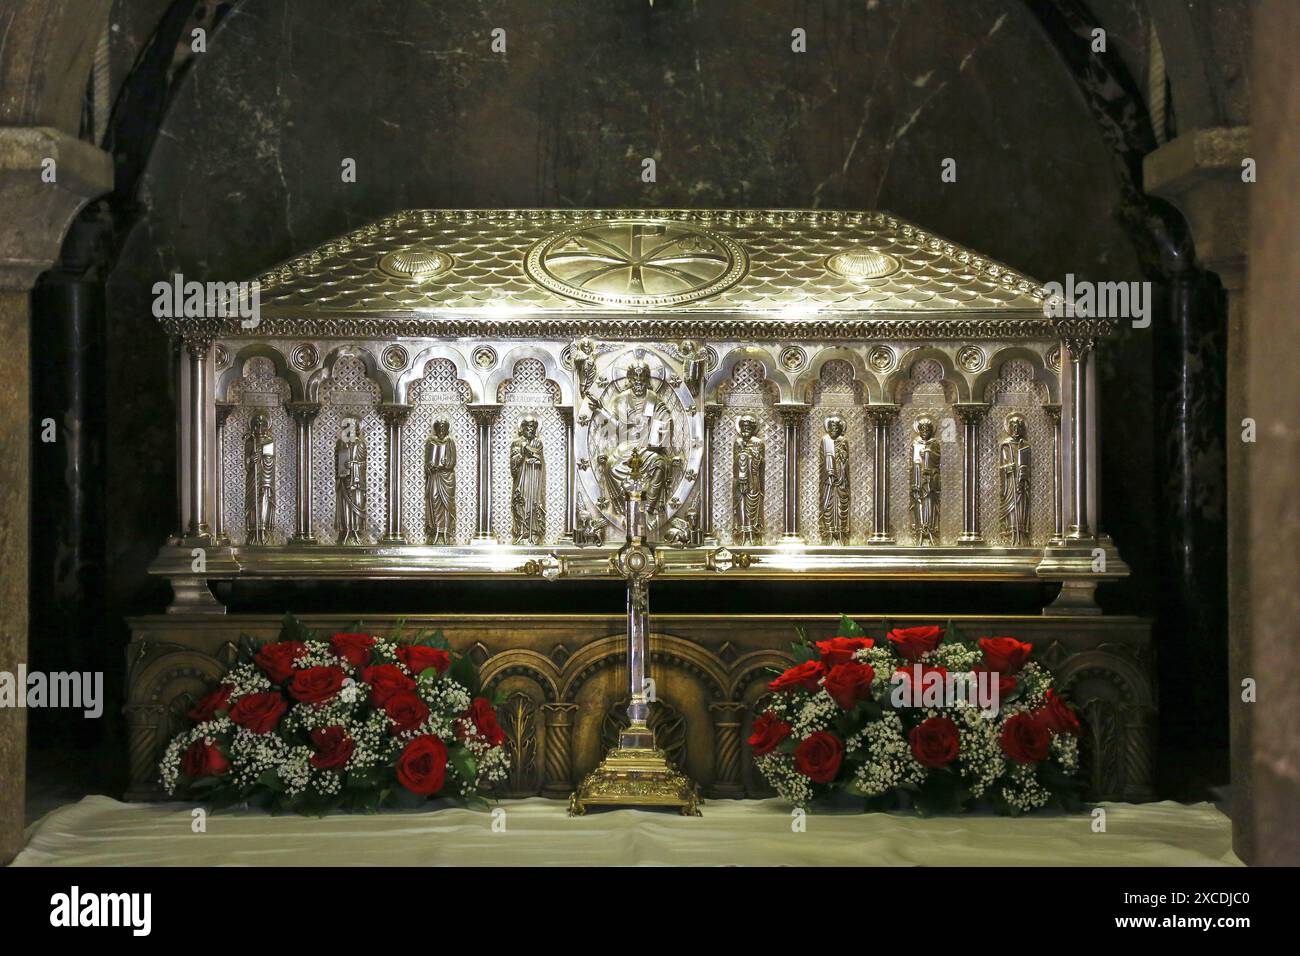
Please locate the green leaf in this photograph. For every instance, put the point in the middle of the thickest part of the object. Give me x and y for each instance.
(951, 634)
(886, 626)
(849, 628)
(292, 629)
(271, 780)
(464, 762)
(465, 673)
(804, 652)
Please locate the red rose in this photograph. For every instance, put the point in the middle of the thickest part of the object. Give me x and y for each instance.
(806, 675)
(769, 731)
(1006, 655)
(1025, 738)
(485, 719)
(818, 757)
(926, 670)
(849, 683)
(934, 742)
(840, 650)
(1058, 716)
(1006, 683)
(276, 660)
(333, 748)
(422, 767)
(419, 658)
(314, 685)
(207, 708)
(203, 760)
(259, 712)
(406, 711)
(912, 642)
(385, 680)
(353, 648)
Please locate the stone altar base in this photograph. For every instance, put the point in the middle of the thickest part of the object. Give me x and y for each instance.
(99, 831)
(564, 680)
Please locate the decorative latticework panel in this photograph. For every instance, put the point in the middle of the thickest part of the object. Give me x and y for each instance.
(836, 394)
(349, 394)
(748, 393)
(528, 392)
(925, 394)
(259, 391)
(1016, 391)
(439, 394)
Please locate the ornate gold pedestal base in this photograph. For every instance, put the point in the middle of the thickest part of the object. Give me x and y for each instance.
(636, 777)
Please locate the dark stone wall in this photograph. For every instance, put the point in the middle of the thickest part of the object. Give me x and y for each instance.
(245, 172)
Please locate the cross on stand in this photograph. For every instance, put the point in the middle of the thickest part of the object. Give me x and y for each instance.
(636, 773)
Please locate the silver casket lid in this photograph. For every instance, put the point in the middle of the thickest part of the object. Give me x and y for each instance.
(721, 273)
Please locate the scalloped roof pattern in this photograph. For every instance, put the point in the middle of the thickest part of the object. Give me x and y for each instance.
(786, 269)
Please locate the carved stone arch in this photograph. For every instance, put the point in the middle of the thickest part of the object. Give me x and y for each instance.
(1112, 693)
(505, 371)
(440, 351)
(373, 371)
(747, 665)
(1042, 374)
(523, 662)
(749, 353)
(259, 350)
(903, 373)
(605, 652)
(809, 377)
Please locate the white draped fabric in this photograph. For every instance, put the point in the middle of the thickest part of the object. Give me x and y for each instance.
(99, 831)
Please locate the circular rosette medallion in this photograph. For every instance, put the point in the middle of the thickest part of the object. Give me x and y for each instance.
(636, 262)
(638, 404)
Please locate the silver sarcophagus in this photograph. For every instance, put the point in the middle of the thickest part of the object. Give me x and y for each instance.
(808, 393)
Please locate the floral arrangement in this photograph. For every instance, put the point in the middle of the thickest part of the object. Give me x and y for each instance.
(349, 722)
(925, 719)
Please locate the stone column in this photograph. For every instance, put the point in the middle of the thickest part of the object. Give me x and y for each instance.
(36, 216)
(1053, 410)
(557, 781)
(394, 416)
(881, 417)
(792, 417)
(485, 417)
(727, 720)
(220, 533)
(707, 528)
(304, 414)
(1200, 172)
(971, 414)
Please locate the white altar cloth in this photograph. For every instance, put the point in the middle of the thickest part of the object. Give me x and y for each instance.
(99, 831)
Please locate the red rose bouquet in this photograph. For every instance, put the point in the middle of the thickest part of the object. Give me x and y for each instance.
(350, 722)
(921, 718)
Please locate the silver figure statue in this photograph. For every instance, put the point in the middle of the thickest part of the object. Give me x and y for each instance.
(693, 366)
(747, 474)
(439, 484)
(584, 364)
(684, 530)
(588, 529)
(835, 490)
(259, 480)
(528, 485)
(638, 420)
(925, 482)
(1013, 474)
(350, 483)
